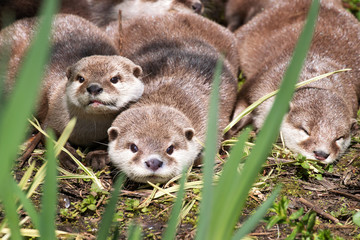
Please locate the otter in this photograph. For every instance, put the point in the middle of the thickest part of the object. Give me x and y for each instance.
(158, 135)
(104, 12)
(322, 114)
(85, 77)
(101, 12)
(191, 26)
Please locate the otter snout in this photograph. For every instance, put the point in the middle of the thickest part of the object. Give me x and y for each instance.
(94, 89)
(154, 164)
(197, 7)
(320, 155)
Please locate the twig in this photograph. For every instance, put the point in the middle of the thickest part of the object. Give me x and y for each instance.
(30, 148)
(318, 210)
(348, 195)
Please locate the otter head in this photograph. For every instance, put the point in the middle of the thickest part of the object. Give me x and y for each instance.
(318, 125)
(152, 143)
(102, 84)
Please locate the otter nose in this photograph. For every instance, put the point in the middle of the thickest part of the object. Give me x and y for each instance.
(320, 155)
(154, 164)
(94, 89)
(197, 7)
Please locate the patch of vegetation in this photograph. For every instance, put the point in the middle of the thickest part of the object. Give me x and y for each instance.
(353, 6)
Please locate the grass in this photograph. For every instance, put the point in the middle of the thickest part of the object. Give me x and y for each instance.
(211, 201)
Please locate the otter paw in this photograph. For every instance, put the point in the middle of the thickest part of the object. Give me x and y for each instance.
(66, 161)
(97, 159)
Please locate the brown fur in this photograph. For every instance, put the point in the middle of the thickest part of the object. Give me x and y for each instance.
(178, 59)
(186, 26)
(30, 8)
(239, 12)
(265, 46)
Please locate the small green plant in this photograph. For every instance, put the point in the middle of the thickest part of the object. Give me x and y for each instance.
(353, 6)
(302, 224)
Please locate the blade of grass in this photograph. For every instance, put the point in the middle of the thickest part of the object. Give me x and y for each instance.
(260, 212)
(170, 231)
(209, 156)
(13, 120)
(87, 171)
(26, 204)
(64, 136)
(108, 215)
(49, 197)
(223, 226)
(134, 232)
(230, 170)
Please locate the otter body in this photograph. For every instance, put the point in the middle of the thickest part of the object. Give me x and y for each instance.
(84, 78)
(322, 114)
(156, 137)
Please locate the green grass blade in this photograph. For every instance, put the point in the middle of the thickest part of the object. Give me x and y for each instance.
(49, 197)
(230, 171)
(134, 232)
(223, 228)
(170, 231)
(108, 215)
(65, 136)
(14, 114)
(209, 156)
(22, 100)
(26, 204)
(260, 212)
(88, 171)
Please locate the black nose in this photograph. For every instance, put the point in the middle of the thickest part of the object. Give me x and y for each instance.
(154, 164)
(94, 89)
(320, 155)
(197, 7)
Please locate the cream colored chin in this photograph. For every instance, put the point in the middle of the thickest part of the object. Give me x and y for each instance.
(101, 108)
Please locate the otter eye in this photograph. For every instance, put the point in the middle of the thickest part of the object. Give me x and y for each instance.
(134, 148)
(115, 79)
(80, 79)
(339, 138)
(170, 150)
(304, 130)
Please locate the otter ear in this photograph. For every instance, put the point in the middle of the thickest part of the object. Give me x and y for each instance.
(113, 133)
(354, 125)
(69, 72)
(137, 71)
(189, 133)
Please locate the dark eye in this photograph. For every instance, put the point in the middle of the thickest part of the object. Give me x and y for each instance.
(303, 129)
(134, 148)
(170, 150)
(80, 79)
(115, 79)
(339, 138)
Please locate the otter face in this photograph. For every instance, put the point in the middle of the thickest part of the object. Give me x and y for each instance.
(319, 129)
(135, 8)
(102, 84)
(152, 143)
